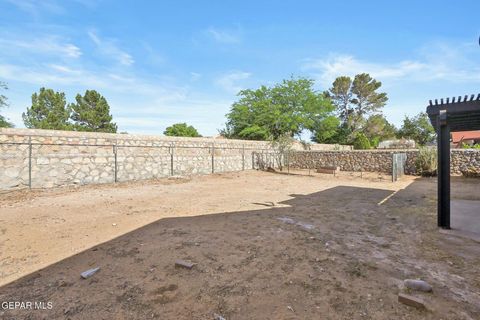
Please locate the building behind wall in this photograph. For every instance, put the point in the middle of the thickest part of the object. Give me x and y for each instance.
(465, 138)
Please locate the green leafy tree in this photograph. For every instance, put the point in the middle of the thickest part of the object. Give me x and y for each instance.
(417, 128)
(355, 101)
(3, 103)
(254, 132)
(181, 130)
(361, 142)
(377, 129)
(342, 135)
(91, 112)
(327, 130)
(270, 112)
(48, 111)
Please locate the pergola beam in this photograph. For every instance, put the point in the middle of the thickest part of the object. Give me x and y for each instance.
(446, 116)
(443, 171)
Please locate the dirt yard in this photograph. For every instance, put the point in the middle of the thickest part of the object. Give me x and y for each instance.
(266, 246)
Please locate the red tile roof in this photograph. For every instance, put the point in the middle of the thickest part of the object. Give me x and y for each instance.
(465, 135)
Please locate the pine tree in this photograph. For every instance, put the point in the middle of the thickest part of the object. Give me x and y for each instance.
(3, 103)
(48, 111)
(91, 112)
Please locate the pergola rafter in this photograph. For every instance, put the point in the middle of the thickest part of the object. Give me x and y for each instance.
(446, 116)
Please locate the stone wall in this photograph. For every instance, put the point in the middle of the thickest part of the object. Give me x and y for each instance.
(321, 147)
(47, 158)
(353, 160)
(465, 160)
(378, 160)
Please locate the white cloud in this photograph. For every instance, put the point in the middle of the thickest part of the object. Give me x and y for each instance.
(61, 76)
(51, 75)
(49, 44)
(439, 62)
(109, 48)
(224, 36)
(154, 57)
(194, 76)
(330, 68)
(34, 7)
(63, 69)
(229, 81)
(37, 7)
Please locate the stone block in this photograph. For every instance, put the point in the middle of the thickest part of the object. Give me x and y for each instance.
(411, 301)
(100, 160)
(12, 172)
(43, 161)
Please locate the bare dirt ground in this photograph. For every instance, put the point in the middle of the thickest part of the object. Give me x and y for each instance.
(266, 246)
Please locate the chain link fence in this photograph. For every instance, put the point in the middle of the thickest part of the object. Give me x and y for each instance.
(42, 165)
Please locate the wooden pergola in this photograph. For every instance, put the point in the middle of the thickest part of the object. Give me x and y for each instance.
(447, 116)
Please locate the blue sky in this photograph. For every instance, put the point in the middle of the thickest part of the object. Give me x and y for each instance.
(162, 62)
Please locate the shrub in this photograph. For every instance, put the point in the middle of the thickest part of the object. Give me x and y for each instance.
(467, 146)
(361, 142)
(426, 162)
(282, 145)
(375, 141)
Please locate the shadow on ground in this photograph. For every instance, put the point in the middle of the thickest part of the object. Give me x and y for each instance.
(311, 257)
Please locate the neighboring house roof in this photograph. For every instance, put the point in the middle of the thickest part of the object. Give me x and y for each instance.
(465, 135)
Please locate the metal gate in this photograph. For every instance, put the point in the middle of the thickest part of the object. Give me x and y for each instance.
(398, 165)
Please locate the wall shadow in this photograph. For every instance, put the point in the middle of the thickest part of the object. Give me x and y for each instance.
(243, 260)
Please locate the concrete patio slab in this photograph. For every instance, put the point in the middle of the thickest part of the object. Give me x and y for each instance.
(465, 215)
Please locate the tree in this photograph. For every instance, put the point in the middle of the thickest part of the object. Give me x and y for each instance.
(367, 101)
(48, 111)
(361, 142)
(254, 132)
(417, 128)
(342, 135)
(282, 145)
(327, 130)
(181, 130)
(356, 100)
(3, 103)
(270, 112)
(341, 95)
(91, 112)
(377, 129)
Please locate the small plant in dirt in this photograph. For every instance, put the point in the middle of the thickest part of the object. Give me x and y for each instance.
(355, 269)
(282, 145)
(426, 162)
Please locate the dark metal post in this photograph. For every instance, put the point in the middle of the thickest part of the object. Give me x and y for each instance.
(443, 141)
(116, 163)
(30, 162)
(253, 161)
